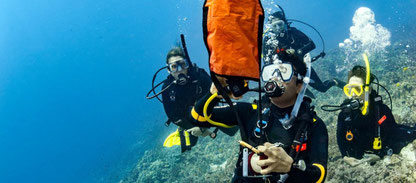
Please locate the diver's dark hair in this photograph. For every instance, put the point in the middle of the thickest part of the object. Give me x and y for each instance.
(175, 51)
(360, 71)
(296, 60)
(279, 15)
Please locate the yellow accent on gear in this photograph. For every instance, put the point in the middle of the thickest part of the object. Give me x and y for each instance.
(349, 136)
(254, 106)
(350, 89)
(197, 117)
(377, 143)
(173, 139)
(322, 172)
(314, 120)
(367, 85)
(187, 140)
(208, 118)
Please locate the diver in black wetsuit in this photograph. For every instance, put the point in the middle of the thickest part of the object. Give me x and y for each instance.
(184, 85)
(377, 132)
(290, 150)
(281, 36)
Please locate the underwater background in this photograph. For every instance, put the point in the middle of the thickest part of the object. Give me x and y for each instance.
(74, 75)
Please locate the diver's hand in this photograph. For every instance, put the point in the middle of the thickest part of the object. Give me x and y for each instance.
(278, 160)
(199, 132)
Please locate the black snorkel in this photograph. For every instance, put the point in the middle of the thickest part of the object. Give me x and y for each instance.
(185, 50)
(182, 80)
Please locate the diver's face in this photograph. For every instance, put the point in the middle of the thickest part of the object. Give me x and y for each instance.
(176, 62)
(278, 25)
(289, 96)
(357, 81)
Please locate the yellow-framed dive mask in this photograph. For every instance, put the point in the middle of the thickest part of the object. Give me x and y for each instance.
(353, 90)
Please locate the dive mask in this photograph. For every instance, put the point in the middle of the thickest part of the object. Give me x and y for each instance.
(279, 26)
(284, 71)
(274, 75)
(353, 90)
(178, 66)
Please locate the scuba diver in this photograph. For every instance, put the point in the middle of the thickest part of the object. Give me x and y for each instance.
(366, 129)
(185, 84)
(281, 36)
(290, 143)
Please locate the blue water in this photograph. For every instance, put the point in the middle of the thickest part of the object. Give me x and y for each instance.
(73, 76)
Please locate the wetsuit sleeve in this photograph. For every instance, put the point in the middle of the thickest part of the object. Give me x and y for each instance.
(223, 116)
(317, 83)
(318, 154)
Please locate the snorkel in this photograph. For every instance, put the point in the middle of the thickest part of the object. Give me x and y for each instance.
(182, 78)
(367, 85)
(306, 79)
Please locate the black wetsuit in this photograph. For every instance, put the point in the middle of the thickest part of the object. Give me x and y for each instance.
(365, 128)
(315, 155)
(177, 100)
(302, 44)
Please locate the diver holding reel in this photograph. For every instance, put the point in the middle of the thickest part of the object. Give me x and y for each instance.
(289, 126)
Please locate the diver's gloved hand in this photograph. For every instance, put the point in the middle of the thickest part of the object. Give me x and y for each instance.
(199, 132)
(277, 159)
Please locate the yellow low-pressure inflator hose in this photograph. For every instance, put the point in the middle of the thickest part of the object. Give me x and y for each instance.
(208, 118)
